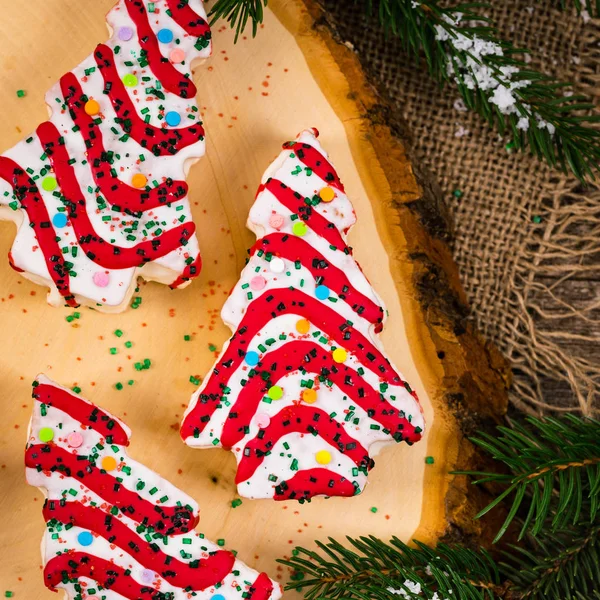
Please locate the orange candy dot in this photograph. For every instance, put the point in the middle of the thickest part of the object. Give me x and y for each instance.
(139, 181)
(92, 107)
(327, 194)
(309, 396)
(303, 326)
(109, 463)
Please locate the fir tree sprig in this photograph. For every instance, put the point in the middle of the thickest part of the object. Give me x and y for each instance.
(461, 46)
(554, 468)
(373, 569)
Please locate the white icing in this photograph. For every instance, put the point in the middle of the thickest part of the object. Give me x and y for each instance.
(58, 539)
(276, 467)
(26, 253)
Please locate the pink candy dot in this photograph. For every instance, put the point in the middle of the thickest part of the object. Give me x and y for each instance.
(258, 283)
(125, 34)
(75, 439)
(262, 420)
(276, 221)
(177, 56)
(148, 576)
(101, 279)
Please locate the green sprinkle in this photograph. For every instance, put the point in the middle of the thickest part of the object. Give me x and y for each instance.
(373, 509)
(221, 542)
(119, 386)
(118, 332)
(128, 344)
(195, 380)
(536, 219)
(113, 350)
(77, 389)
(187, 338)
(212, 347)
(20, 94)
(235, 503)
(8, 593)
(457, 193)
(429, 460)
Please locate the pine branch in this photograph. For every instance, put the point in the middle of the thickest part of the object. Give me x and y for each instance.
(376, 570)
(461, 46)
(554, 468)
(591, 6)
(558, 565)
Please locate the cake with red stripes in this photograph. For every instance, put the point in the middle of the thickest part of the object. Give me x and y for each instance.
(114, 528)
(303, 393)
(98, 192)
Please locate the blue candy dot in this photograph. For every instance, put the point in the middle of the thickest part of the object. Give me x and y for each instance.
(251, 358)
(322, 292)
(165, 36)
(217, 597)
(85, 538)
(59, 220)
(173, 118)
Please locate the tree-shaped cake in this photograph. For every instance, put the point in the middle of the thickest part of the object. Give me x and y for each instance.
(98, 192)
(114, 528)
(302, 393)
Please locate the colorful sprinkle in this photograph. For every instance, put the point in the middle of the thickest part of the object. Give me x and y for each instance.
(303, 326)
(275, 392)
(276, 221)
(109, 463)
(101, 279)
(339, 355)
(130, 80)
(165, 36)
(177, 56)
(139, 180)
(299, 228)
(323, 457)
(277, 265)
(46, 434)
(252, 358)
(92, 107)
(327, 194)
(429, 460)
(258, 283)
(309, 396)
(125, 34)
(21, 93)
(49, 184)
(75, 439)
(173, 118)
(59, 220)
(262, 420)
(85, 538)
(322, 292)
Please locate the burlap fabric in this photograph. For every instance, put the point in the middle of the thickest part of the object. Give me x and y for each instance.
(527, 238)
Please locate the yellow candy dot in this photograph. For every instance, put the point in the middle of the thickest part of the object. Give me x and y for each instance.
(275, 393)
(327, 194)
(303, 326)
(109, 463)
(323, 457)
(309, 396)
(339, 355)
(139, 181)
(92, 107)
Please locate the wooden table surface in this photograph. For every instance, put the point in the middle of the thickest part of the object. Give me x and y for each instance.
(254, 96)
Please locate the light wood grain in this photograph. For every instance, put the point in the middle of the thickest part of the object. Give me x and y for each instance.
(254, 96)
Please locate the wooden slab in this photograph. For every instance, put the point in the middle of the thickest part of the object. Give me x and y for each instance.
(254, 96)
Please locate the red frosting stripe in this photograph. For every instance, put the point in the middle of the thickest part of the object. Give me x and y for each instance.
(31, 201)
(162, 141)
(86, 413)
(314, 482)
(297, 250)
(313, 358)
(262, 310)
(96, 248)
(171, 79)
(71, 566)
(296, 203)
(167, 520)
(191, 22)
(314, 160)
(116, 192)
(300, 419)
(206, 573)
